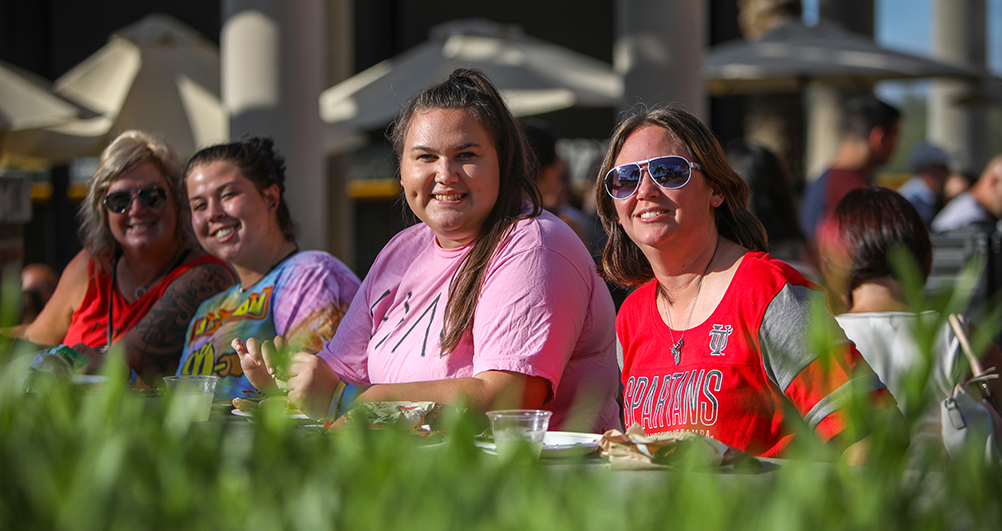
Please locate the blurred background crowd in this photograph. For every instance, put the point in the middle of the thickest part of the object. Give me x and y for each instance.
(772, 78)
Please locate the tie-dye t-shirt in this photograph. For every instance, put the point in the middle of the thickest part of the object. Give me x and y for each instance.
(302, 300)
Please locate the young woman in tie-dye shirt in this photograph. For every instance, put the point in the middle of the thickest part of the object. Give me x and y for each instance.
(239, 215)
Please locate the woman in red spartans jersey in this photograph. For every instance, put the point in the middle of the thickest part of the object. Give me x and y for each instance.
(717, 338)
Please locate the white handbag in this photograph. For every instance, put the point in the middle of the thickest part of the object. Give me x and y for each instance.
(969, 416)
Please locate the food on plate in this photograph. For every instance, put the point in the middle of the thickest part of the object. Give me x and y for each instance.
(417, 417)
(386, 414)
(635, 449)
(245, 404)
(249, 405)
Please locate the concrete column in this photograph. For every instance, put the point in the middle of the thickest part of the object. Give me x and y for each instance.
(960, 35)
(773, 120)
(823, 103)
(824, 127)
(659, 50)
(273, 69)
(340, 66)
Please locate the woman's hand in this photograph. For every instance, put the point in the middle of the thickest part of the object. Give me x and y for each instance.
(311, 384)
(255, 363)
(94, 357)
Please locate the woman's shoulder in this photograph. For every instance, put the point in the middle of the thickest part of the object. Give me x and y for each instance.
(197, 261)
(196, 256)
(310, 258)
(548, 231)
(638, 297)
(76, 276)
(80, 268)
(203, 271)
(318, 261)
(415, 236)
(891, 320)
(403, 246)
(766, 267)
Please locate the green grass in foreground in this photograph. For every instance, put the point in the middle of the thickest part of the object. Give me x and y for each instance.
(73, 459)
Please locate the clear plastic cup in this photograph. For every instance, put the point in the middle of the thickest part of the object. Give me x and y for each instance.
(515, 428)
(190, 398)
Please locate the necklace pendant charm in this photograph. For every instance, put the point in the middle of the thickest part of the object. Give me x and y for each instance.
(676, 351)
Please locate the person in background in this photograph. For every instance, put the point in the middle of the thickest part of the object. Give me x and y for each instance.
(957, 183)
(239, 214)
(38, 282)
(140, 277)
(869, 138)
(715, 337)
(969, 223)
(872, 222)
(553, 180)
(930, 167)
(980, 206)
(490, 302)
(770, 200)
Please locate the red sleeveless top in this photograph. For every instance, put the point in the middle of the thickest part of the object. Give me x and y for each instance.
(89, 324)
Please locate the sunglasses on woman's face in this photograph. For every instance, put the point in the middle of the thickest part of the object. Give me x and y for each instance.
(671, 173)
(152, 196)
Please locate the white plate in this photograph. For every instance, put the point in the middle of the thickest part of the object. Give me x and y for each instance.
(297, 416)
(88, 379)
(559, 444)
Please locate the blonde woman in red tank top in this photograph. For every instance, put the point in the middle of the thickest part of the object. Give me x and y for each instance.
(140, 270)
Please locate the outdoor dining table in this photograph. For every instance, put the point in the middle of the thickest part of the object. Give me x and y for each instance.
(759, 470)
(119, 446)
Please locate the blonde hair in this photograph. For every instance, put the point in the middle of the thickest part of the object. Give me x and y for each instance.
(128, 150)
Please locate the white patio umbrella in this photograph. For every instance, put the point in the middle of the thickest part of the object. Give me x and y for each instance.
(28, 104)
(156, 75)
(27, 101)
(791, 54)
(534, 76)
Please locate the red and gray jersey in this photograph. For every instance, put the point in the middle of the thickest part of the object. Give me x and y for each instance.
(770, 347)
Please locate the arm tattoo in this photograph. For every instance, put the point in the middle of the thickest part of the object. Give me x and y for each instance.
(154, 345)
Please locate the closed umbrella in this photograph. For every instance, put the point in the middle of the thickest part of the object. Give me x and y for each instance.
(157, 75)
(533, 75)
(27, 102)
(791, 54)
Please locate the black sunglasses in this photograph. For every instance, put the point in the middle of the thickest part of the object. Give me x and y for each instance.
(671, 173)
(152, 196)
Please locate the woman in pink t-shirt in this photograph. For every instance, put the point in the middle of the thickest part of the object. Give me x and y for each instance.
(489, 303)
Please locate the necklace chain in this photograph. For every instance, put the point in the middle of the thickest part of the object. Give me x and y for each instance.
(676, 348)
(141, 289)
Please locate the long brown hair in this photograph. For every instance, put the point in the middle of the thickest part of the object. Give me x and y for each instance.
(471, 91)
(622, 261)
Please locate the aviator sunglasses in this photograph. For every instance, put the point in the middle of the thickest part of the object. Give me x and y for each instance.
(671, 173)
(152, 196)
